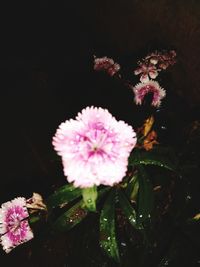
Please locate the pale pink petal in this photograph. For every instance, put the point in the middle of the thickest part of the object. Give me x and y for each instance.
(153, 74)
(97, 150)
(163, 65)
(154, 60)
(144, 78)
(138, 71)
(142, 89)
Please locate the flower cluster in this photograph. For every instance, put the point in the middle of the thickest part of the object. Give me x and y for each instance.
(94, 148)
(152, 64)
(162, 59)
(106, 64)
(148, 70)
(14, 225)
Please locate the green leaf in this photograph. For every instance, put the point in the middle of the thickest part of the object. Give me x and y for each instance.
(108, 241)
(33, 219)
(128, 210)
(74, 215)
(151, 158)
(71, 217)
(89, 197)
(132, 188)
(63, 195)
(145, 197)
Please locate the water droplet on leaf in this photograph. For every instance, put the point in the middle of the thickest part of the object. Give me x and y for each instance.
(123, 244)
(132, 218)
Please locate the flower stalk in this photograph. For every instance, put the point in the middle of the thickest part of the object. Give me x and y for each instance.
(89, 197)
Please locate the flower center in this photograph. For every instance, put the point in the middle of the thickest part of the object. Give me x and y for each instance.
(16, 226)
(95, 148)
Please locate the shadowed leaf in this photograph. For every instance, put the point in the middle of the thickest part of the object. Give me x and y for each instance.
(63, 195)
(71, 217)
(75, 214)
(151, 158)
(108, 240)
(128, 210)
(145, 197)
(132, 188)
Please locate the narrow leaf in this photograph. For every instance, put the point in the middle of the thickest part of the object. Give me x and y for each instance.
(71, 217)
(128, 210)
(89, 197)
(132, 188)
(151, 158)
(145, 197)
(63, 195)
(75, 214)
(108, 241)
(33, 219)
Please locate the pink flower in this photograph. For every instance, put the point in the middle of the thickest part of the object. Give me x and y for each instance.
(106, 64)
(146, 70)
(142, 89)
(162, 59)
(94, 148)
(14, 226)
(153, 63)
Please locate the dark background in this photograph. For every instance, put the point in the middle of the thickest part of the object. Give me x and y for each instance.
(46, 77)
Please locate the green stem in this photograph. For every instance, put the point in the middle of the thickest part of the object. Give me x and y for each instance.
(89, 197)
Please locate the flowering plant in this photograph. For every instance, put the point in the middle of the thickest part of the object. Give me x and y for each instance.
(105, 163)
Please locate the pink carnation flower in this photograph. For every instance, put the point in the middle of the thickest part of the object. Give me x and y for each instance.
(153, 63)
(146, 70)
(142, 89)
(106, 64)
(14, 226)
(94, 148)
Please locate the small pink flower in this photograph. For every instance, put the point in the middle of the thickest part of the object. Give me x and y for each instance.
(162, 59)
(153, 63)
(14, 226)
(142, 89)
(106, 64)
(94, 148)
(146, 70)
